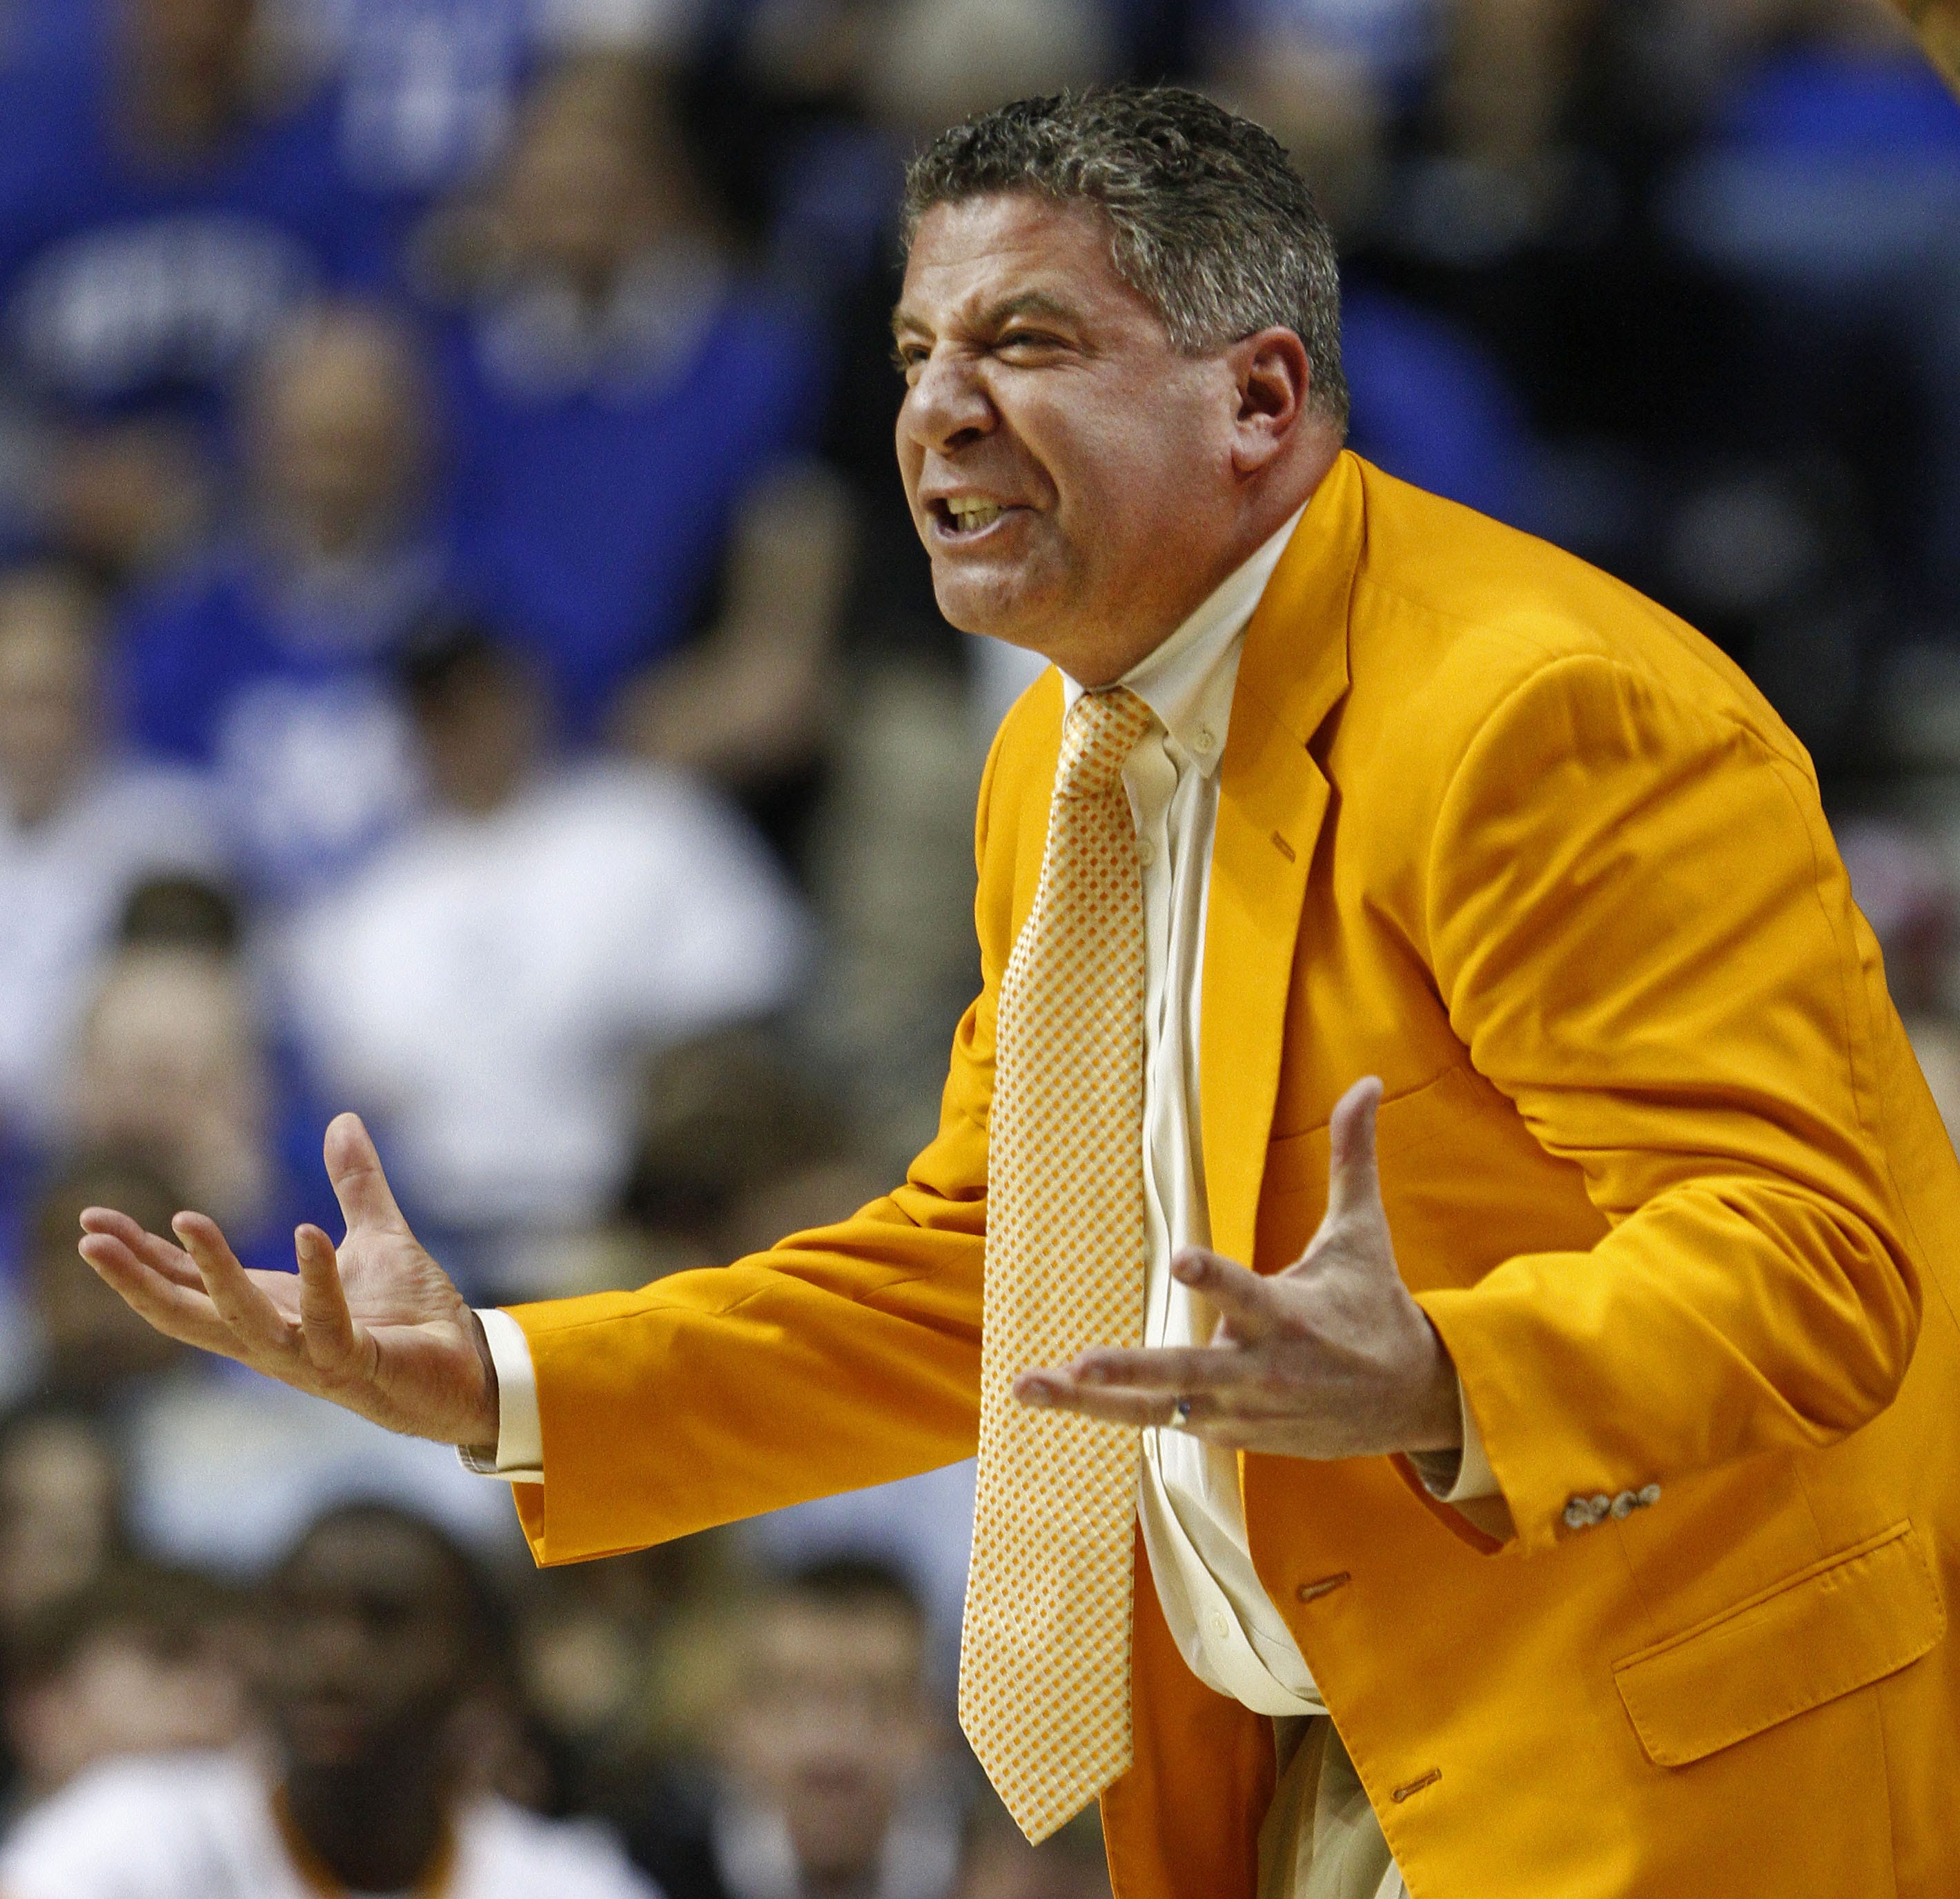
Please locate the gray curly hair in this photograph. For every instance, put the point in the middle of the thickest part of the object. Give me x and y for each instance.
(1208, 222)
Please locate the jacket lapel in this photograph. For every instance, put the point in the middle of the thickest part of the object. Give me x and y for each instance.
(1272, 797)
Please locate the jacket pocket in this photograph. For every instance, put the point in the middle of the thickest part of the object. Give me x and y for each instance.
(1404, 1123)
(1844, 1622)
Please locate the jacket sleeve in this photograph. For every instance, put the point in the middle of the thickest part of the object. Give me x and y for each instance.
(841, 1357)
(1643, 935)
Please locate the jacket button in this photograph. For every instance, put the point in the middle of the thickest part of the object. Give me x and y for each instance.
(1650, 1494)
(1326, 1585)
(1578, 1515)
(1599, 1506)
(1625, 1504)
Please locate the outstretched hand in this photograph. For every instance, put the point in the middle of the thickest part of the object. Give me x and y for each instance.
(1330, 1358)
(375, 1325)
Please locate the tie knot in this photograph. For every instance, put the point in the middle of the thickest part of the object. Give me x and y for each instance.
(1102, 730)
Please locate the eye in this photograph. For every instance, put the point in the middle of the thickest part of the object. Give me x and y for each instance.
(908, 358)
(1025, 343)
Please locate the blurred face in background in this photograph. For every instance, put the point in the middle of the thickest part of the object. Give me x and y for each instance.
(1044, 393)
(48, 661)
(170, 1068)
(831, 1727)
(127, 1688)
(339, 431)
(362, 1657)
(482, 728)
(597, 177)
(60, 1512)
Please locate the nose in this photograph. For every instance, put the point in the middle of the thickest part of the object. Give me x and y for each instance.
(946, 408)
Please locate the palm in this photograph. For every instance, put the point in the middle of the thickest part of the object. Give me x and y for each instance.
(374, 1325)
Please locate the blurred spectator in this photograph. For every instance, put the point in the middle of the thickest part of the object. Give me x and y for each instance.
(79, 827)
(734, 1146)
(94, 1352)
(426, 91)
(615, 1663)
(624, 396)
(264, 661)
(998, 1863)
(1907, 893)
(823, 1784)
(486, 988)
(61, 1509)
(171, 1065)
(170, 205)
(1828, 188)
(372, 1641)
(138, 1661)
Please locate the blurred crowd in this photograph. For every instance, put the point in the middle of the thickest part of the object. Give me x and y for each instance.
(464, 656)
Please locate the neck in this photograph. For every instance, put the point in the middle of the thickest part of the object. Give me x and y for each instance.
(1096, 661)
(378, 1826)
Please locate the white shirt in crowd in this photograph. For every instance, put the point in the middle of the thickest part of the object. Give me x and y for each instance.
(200, 1826)
(487, 986)
(63, 883)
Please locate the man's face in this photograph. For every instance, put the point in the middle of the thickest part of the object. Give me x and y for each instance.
(830, 1727)
(47, 694)
(1069, 471)
(363, 1650)
(339, 437)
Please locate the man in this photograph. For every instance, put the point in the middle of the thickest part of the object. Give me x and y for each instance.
(1645, 1259)
(823, 1749)
(372, 1639)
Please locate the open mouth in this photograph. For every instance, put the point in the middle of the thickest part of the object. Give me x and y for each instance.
(965, 517)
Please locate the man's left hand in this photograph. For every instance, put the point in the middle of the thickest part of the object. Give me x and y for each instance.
(1330, 1358)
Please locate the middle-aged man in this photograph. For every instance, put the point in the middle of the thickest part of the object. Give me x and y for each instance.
(1579, 1440)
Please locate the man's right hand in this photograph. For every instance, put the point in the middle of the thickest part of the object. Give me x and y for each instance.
(377, 1326)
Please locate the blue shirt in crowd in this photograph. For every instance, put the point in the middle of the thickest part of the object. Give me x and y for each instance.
(598, 475)
(128, 285)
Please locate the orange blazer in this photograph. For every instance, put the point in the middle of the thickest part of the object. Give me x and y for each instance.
(1658, 1164)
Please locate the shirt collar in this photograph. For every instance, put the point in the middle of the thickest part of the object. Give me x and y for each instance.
(1188, 680)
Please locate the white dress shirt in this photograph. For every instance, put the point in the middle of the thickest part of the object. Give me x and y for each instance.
(1188, 1501)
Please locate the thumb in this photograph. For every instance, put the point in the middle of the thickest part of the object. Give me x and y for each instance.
(1354, 1186)
(354, 1170)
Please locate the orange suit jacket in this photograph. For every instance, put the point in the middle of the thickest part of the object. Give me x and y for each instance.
(1658, 1164)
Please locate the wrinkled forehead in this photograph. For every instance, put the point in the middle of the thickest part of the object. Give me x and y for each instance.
(974, 261)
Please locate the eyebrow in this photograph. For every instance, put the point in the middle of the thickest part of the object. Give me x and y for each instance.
(1027, 303)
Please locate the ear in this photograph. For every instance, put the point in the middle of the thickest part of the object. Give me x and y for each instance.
(1270, 371)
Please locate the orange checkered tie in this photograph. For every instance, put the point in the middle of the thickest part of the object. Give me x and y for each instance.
(1044, 1661)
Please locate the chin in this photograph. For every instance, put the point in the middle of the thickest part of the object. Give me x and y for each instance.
(998, 606)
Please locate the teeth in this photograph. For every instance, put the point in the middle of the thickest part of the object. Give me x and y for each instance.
(971, 513)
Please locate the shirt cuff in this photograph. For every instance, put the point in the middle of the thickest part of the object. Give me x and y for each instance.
(1451, 1477)
(519, 1456)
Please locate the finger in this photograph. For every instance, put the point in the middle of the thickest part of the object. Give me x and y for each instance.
(174, 1310)
(1245, 1299)
(327, 1327)
(1164, 1370)
(1051, 1391)
(354, 1168)
(171, 1262)
(1354, 1186)
(257, 1323)
(1057, 1392)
